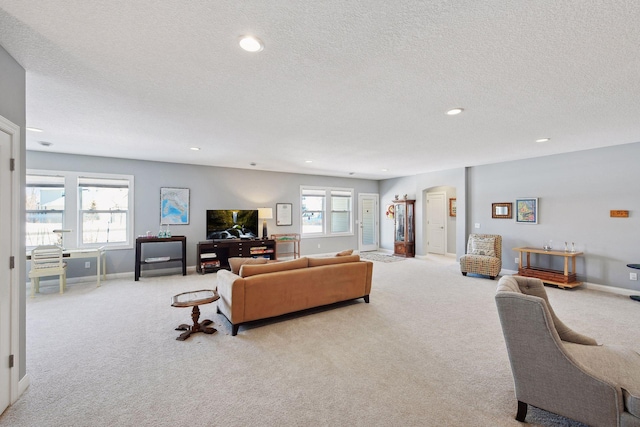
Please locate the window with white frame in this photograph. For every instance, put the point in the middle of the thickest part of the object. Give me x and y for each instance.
(326, 211)
(104, 210)
(44, 209)
(84, 209)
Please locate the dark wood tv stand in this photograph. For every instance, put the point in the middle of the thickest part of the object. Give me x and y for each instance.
(214, 254)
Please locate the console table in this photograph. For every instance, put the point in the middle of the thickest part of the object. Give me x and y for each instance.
(214, 254)
(140, 262)
(292, 239)
(562, 279)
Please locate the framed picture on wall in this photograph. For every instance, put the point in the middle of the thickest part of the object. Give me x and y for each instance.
(452, 207)
(283, 214)
(527, 210)
(501, 210)
(174, 206)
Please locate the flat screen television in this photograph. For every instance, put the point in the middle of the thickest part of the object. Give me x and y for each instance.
(232, 224)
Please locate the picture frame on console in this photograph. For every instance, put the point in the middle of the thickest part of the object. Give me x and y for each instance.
(527, 211)
(283, 213)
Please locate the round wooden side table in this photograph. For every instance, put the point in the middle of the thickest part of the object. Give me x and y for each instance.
(194, 299)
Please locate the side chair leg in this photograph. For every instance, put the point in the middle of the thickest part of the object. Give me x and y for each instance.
(522, 411)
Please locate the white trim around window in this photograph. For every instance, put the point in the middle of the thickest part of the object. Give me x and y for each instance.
(72, 225)
(326, 211)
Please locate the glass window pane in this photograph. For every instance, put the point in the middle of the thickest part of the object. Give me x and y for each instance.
(312, 222)
(340, 222)
(104, 206)
(44, 205)
(104, 199)
(104, 227)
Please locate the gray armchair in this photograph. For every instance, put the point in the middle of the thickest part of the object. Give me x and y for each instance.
(559, 370)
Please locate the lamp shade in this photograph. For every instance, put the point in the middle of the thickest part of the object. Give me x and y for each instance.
(265, 213)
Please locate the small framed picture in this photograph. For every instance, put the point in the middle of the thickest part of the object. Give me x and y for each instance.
(527, 210)
(283, 213)
(452, 206)
(501, 210)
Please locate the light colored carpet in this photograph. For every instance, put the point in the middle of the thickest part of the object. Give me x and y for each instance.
(381, 257)
(427, 351)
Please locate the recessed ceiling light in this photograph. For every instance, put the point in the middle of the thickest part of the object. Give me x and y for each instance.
(251, 44)
(252, 164)
(352, 173)
(34, 129)
(455, 111)
(308, 161)
(195, 148)
(45, 143)
(543, 139)
(384, 170)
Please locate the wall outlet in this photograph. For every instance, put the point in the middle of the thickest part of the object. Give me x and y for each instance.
(87, 264)
(633, 276)
(517, 260)
(477, 225)
(318, 245)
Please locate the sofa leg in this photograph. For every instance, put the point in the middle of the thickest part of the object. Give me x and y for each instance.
(464, 273)
(218, 310)
(366, 298)
(522, 411)
(234, 330)
(492, 277)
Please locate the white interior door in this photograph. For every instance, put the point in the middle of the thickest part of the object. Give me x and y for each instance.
(5, 273)
(436, 223)
(369, 221)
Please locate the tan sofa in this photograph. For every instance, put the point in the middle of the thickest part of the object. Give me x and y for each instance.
(269, 290)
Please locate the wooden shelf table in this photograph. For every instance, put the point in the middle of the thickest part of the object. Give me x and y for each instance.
(283, 239)
(140, 261)
(562, 279)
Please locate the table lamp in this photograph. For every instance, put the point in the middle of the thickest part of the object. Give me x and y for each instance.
(265, 214)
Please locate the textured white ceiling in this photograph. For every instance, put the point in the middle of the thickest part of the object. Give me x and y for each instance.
(355, 86)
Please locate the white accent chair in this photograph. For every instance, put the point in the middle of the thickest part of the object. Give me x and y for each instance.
(562, 371)
(47, 261)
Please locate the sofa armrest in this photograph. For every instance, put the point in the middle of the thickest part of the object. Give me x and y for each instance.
(231, 289)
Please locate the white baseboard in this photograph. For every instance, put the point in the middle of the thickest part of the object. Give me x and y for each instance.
(610, 289)
(587, 285)
(23, 385)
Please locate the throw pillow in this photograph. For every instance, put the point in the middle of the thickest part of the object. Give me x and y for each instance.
(345, 253)
(483, 246)
(236, 263)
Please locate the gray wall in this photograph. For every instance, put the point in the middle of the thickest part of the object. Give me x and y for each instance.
(576, 191)
(211, 188)
(12, 107)
(417, 187)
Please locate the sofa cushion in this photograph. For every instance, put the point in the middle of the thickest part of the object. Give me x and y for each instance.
(483, 246)
(237, 262)
(345, 253)
(615, 364)
(248, 270)
(315, 262)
